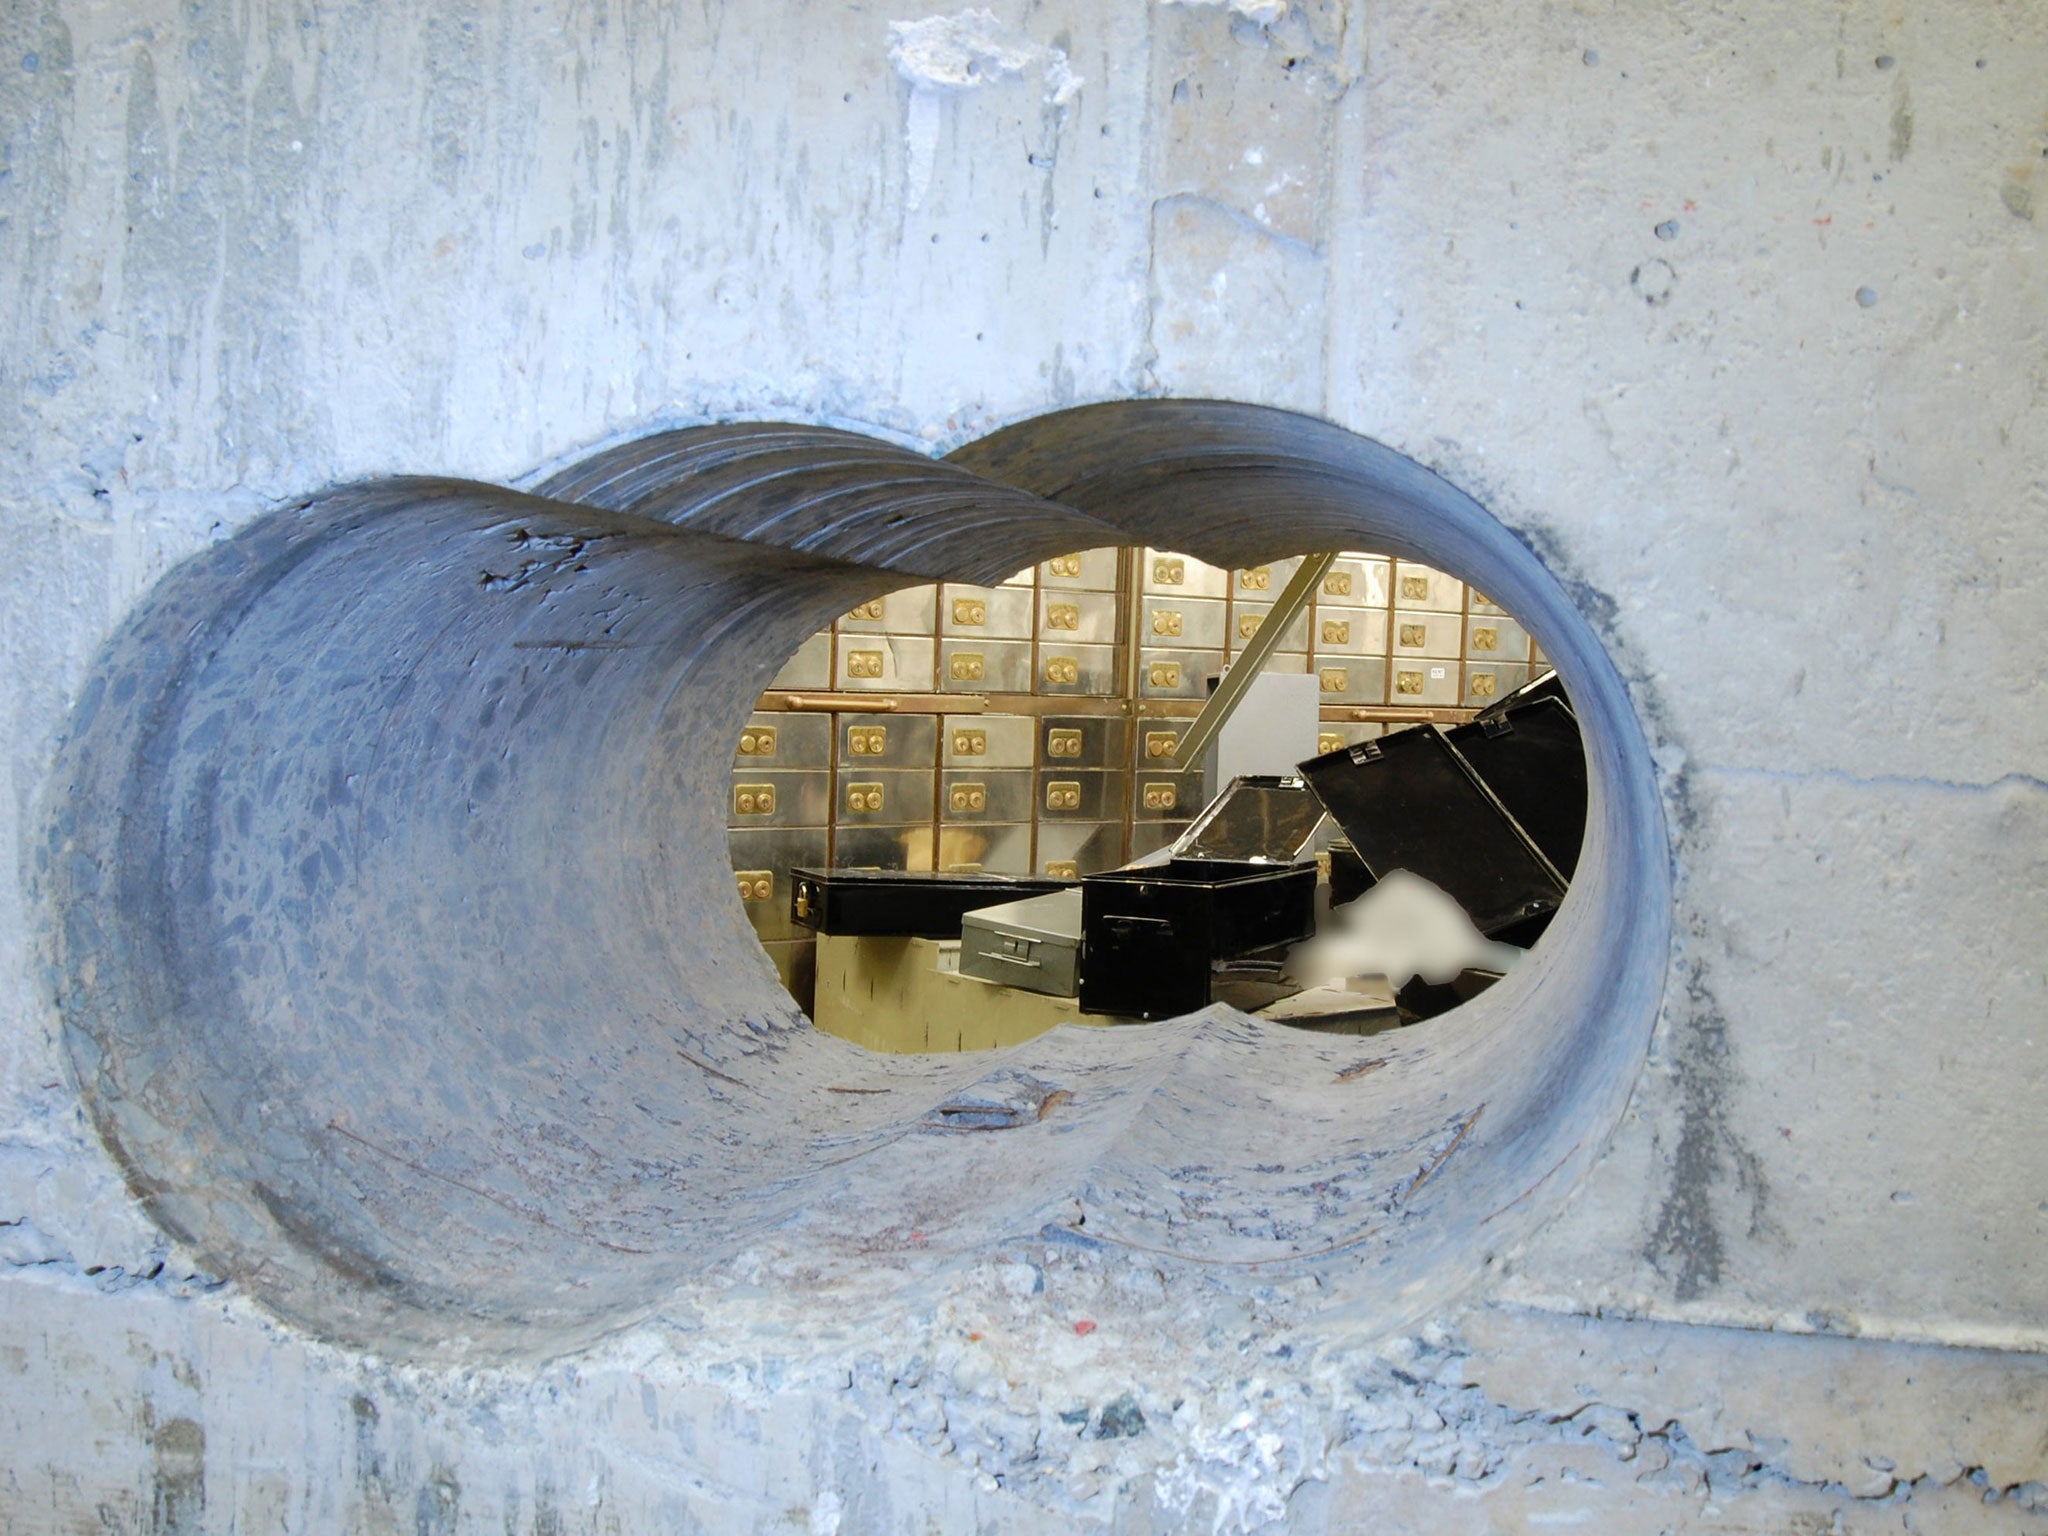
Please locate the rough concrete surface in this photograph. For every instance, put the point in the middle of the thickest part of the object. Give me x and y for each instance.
(1734, 314)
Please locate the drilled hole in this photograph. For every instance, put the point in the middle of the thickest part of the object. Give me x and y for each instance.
(401, 964)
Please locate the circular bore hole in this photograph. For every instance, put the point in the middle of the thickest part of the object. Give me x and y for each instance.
(400, 963)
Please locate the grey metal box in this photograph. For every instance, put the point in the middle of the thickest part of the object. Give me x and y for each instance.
(1034, 944)
(1086, 741)
(1084, 618)
(885, 663)
(1420, 633)
(1163, 571)
(987, 741)
(1181, 623)
(984, 666)
(991, 613)
(910, 611)
(1418, 586)
(1425, 680)
(1092, 570)
(1177, 674)
(784, 739)
(1355, 582)
(886, 741)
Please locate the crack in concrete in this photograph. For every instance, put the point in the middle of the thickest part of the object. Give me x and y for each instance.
(1240, 218)
(1686, 1246)
(2015, 779)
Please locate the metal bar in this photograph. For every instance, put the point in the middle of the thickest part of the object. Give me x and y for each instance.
(1251, 661)
(1396, 714)
(876, 703)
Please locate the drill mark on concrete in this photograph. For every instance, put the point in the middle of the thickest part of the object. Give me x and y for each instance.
(574, 645)
(1540, 1182)
(1442, 1157)
(710, 1071)
(482, 1194)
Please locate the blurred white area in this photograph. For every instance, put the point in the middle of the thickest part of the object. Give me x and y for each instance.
(1403, 927)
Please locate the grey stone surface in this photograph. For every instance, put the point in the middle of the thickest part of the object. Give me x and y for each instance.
(1828, 1137)
(252, 252)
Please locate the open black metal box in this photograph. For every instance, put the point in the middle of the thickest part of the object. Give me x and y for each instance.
(1531, 758)
(912, 903)
(1411, 801)
(1153, 935)
(1233, 883)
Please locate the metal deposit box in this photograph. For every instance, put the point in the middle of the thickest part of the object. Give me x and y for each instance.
(1034, 944)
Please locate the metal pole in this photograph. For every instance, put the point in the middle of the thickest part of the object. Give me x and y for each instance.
(1251, 661)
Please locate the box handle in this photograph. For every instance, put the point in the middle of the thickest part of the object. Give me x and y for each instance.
(1131, 927)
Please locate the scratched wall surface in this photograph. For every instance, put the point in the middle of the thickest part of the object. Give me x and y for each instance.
(1737, 314)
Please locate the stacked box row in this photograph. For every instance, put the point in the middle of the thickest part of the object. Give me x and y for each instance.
(1378, 632)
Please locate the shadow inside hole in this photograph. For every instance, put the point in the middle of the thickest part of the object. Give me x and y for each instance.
(918, 786)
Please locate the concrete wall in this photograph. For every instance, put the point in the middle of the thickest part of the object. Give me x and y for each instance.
(1736, 315)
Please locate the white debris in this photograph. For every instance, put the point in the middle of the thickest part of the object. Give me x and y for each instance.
(1265, 12)
(973, 49)
(942, 56)
(1403, 927)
